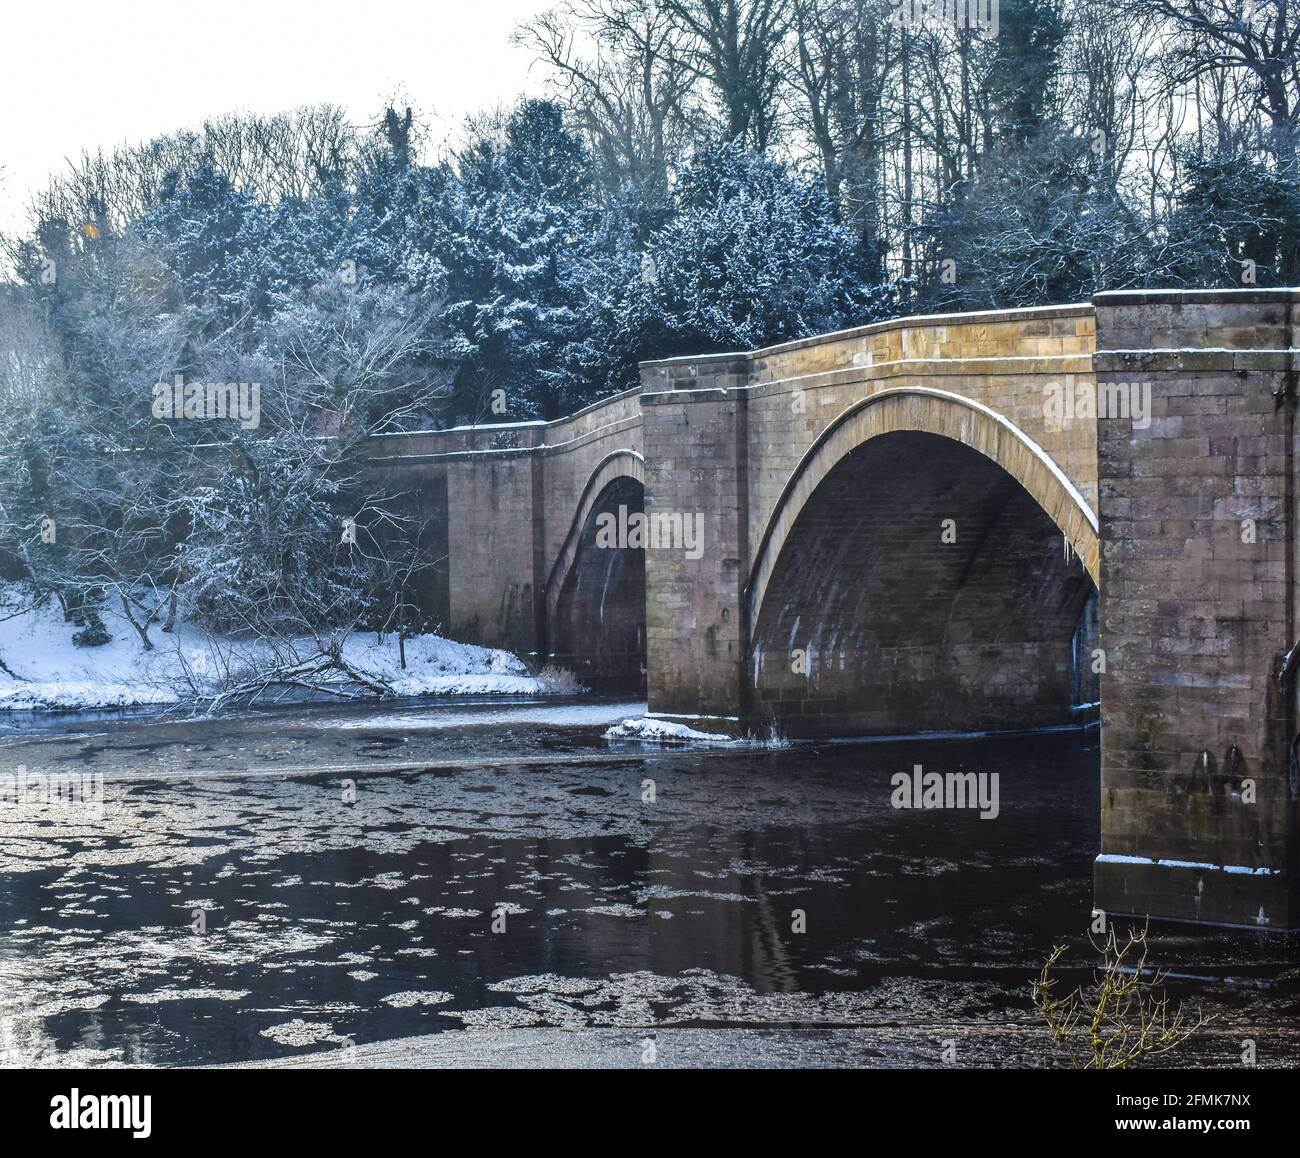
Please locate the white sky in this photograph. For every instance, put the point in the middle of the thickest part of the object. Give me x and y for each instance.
(78, 75)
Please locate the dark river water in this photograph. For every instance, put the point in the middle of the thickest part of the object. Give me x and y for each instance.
(369, 873)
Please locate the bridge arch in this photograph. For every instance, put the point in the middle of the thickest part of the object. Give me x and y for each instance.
(595, 599)
(996, 639)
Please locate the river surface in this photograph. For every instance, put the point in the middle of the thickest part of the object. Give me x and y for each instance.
(303, 880)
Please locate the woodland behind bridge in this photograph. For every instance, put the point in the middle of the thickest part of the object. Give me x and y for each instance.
(701, 175)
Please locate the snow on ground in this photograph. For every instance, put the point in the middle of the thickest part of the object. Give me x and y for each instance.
(47, 670)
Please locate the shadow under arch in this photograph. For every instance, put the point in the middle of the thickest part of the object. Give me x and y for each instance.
(595, 593)
(927, 567)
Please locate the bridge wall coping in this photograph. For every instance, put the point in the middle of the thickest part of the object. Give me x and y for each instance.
(507, 438)
(910, 321)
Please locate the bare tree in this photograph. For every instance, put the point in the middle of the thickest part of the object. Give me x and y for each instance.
(1107, 56)
(1259, 39)
(846, 59)
(290, 154)
(736, 47)
(615, 73)
(1122, 1018)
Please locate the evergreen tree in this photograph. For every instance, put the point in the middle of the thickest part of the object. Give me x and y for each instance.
(1025, 68)
(1237, 223)
(513, 237)
(754, 256)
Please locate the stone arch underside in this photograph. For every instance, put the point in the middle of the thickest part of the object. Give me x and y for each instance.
(872, 614)
(595, 596)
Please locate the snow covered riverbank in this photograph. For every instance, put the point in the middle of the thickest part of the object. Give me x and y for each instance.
(43, 668)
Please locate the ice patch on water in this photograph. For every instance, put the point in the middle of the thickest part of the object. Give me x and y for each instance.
(615, 910)
(413, 997)
(696, 996)
(664, 893)
(665, 732)
(299, 1032)
(651, 729)
(161, 995)
(494, 1017)
(552, 982)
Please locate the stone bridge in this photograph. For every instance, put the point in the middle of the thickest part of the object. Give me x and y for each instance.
(904, 527)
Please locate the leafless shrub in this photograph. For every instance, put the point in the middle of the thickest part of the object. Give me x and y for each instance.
(1123, 1017)
(558, 681)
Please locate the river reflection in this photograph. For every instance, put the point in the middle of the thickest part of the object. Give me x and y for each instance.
(365, 874)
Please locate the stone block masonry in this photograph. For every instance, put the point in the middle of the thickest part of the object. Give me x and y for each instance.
(1197, 517)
